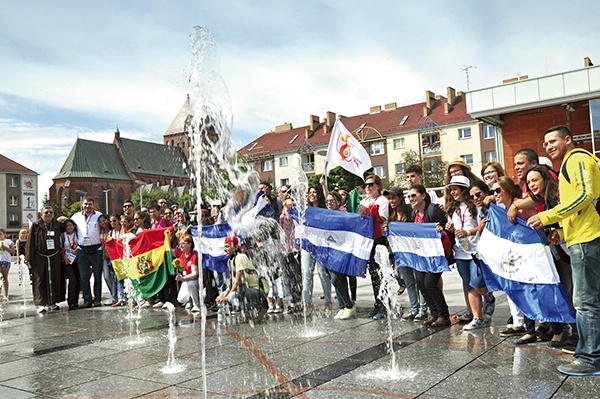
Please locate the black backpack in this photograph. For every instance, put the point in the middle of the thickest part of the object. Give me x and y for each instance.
(563, 171)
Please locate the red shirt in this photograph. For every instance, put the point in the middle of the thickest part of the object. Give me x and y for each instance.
(187, 260)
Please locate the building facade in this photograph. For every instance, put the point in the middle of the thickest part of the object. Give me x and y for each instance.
(18, 202)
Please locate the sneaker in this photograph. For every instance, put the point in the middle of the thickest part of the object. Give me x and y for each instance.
(570, 344)
(489, 305)
(381, 315)
(271, 309)
(144, 304)
(513, 332)
(188, 305)
(54, 307)
(409, 317)
(41, 309)
(373, 312)
(474, 324)
(278, 309)
(339, 314)
(578, 369)
(466, 317)
(348, 313)
(195, 309)
(158, 305)
(420, 317)
(165, 305)
(328, 309)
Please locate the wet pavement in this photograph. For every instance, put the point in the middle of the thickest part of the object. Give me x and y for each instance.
(99, 353)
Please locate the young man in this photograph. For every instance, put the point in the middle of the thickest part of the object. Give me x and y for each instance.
(128, 208)
(581, 228)
(414, 175)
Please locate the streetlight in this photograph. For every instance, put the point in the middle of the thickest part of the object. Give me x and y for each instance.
(141, 183)
(106, 198)
(81, 195)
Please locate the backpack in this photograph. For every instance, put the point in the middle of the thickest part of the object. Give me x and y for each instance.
(563, 171)
(447, 239)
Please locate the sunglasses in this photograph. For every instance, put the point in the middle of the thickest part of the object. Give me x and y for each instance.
(412, 195)
(329, 201)
(369, 184)
(48, 213)
(476, 195)
(127, 206)
(496, 190)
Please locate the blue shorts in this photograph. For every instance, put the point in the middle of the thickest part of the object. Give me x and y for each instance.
(470, 273)
(4, 265)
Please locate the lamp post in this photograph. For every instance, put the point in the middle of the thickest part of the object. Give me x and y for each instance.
(81, 195)
(141, 183)
(107, 210)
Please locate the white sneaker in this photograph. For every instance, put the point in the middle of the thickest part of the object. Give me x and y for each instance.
(474, 324)
(188, 305)
(165, 305)
(278, 309)
(271, 309)
(348, 313)
(195, 309)
(144, 304)
(158, 305)
(41, 309)
(339, 314)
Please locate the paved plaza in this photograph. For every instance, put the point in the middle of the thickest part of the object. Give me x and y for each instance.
(98, 353)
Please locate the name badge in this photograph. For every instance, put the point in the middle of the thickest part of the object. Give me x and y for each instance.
(50, 233)
(50, 244)
(87, 241)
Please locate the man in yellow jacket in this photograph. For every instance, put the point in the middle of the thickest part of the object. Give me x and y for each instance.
(579, 187)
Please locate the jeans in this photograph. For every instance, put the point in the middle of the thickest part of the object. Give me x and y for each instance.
(428, 284)
(340, 282)
(374, 272)
(585, 263)
(221, 281)
(308, 271)
(89, 264)
(470, 274)
(416, 299)
(110, 279)
(74, 282)
(249, 299)
(292, 272)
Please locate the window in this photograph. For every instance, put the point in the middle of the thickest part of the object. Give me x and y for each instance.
(377, 148)
(379, 171)
(490, 156)
(464, 133)
(399, 143)
(13, 217)
(403, 121)
(399, 167)
(267, 165)
(431, 143)
(14, 181)
(13, 201)
(467, 158)
(308, 162)
(489, 132)
(284, 182)
(283, 161)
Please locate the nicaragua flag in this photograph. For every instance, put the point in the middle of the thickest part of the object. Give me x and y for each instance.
(340, 241)
(210, 245)
(514, 260)
(417, 245)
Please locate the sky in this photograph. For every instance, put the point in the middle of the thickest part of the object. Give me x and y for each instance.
(73, 69)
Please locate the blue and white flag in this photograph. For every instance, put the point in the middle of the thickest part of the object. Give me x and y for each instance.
(211, 246)
(417, 245)
(340, 241)
(515, 261)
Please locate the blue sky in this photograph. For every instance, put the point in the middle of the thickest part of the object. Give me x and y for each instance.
(73, 68)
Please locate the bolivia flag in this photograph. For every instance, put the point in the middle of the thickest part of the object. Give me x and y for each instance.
(150, 262)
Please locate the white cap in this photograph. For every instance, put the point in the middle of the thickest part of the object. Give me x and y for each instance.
(546, 162)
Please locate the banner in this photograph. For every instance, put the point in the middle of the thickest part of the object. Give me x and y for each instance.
(514, 260)
(210, 245)
(344, 150)
(417, 245)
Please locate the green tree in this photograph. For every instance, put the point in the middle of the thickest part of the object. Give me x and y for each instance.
(408, 158)
(150, 197)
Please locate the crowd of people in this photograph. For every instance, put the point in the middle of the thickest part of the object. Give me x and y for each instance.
(269, 267)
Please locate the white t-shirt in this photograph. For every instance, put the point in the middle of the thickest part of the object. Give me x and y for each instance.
(466, 246)
(88, 229)
(4, 254)
(384, 205)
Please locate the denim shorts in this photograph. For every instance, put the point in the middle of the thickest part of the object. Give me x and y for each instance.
(4, 265)
(470, 273)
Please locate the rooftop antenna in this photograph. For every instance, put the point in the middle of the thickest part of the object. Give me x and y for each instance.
(465, 69)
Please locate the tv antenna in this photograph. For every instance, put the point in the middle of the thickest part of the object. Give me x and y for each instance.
(465, 69)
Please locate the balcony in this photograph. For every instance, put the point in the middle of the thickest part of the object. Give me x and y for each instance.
(308, 166)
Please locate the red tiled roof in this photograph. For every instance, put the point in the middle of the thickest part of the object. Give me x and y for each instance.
(8, 165)
(385, 121)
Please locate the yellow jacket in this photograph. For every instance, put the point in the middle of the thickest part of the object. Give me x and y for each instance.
(576, 212)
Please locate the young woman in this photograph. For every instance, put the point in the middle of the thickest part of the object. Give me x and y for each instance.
(292, 269)
(20, 246)
(400, 211)
(107, 270)
(116, 233)
(429, 283)
(542, 187)
(188, 258)
(375, 205)
(463, 213)
(506, 192)
(315, 198)
(126, 224)
(141, 222)
(69, 253)
(491, 171)
(7, 249)
(340, 280)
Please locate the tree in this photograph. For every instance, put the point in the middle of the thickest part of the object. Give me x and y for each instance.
(408, 158)
(150, 197)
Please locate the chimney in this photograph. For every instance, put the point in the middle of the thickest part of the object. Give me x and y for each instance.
(448, 108)
(429, 99)
(451, 95)
(425, 111)
(117, 133)
(375, 109)
(587, 62)
(330, 120)
(283, 128)
(390, 106)
(314, 122)
(523, 77)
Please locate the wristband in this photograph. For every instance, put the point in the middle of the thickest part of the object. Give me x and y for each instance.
(516, 206)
